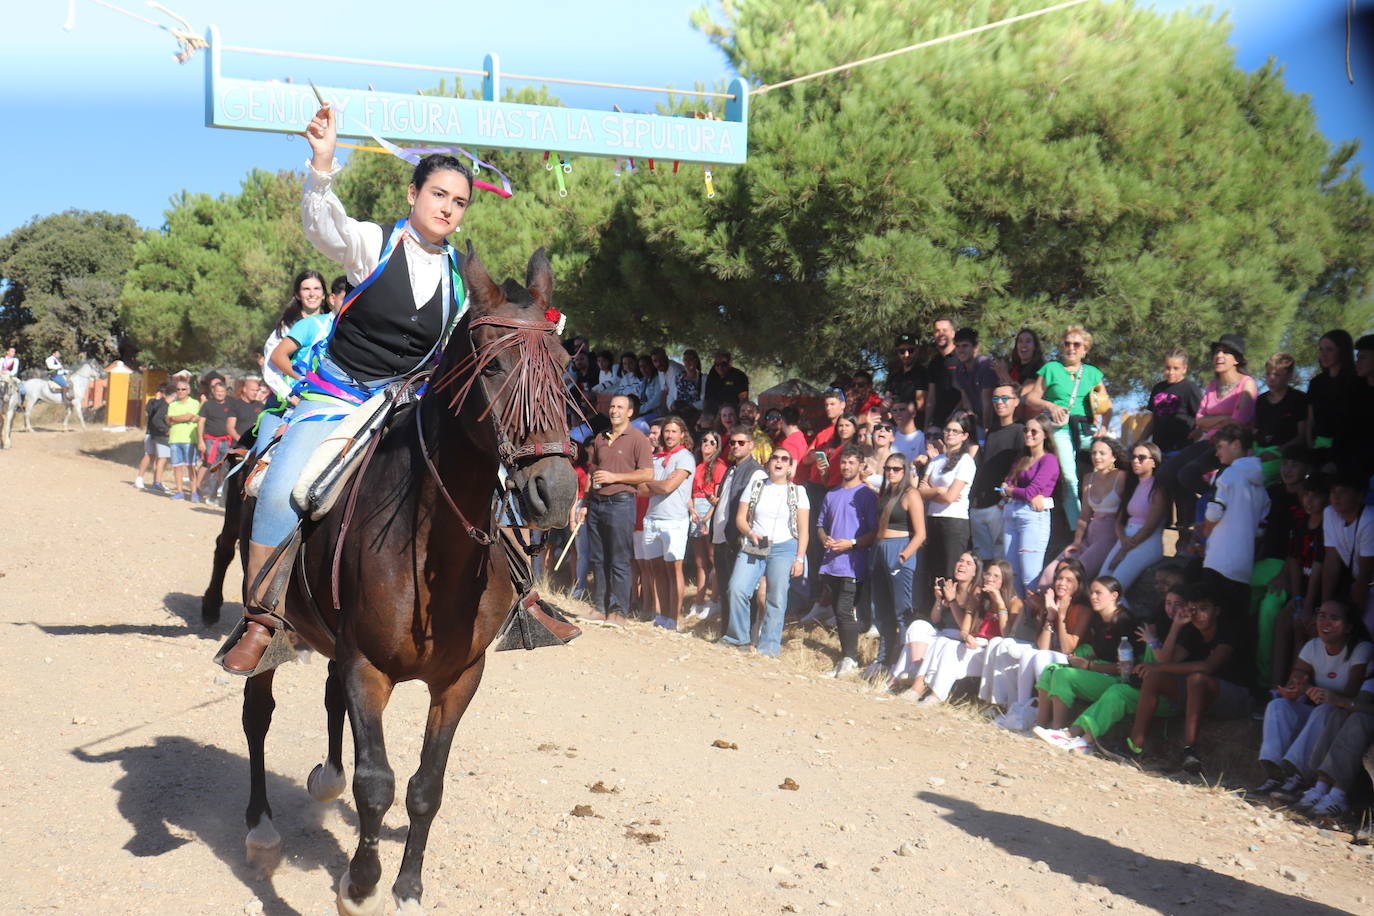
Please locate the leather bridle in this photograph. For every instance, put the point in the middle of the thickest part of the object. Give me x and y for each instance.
(536, 401)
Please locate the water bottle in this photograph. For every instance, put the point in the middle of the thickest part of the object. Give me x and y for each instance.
(1125, 658)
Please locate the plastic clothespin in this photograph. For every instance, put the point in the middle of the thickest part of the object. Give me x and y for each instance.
(562, 187)
(547, 164)
(675, 164)
(567, 163)
(632, 164)
(710, 186)
(651, 165)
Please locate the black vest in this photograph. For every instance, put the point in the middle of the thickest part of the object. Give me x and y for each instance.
(383, 334)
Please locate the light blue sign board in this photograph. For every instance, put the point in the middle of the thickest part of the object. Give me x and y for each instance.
(478, 124)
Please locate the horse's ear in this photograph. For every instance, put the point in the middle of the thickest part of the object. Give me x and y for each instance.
(485, 295)
(539, 279)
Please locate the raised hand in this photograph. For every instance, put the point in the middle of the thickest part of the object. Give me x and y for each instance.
(322, 134)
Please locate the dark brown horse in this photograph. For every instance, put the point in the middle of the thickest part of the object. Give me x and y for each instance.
(420, 595)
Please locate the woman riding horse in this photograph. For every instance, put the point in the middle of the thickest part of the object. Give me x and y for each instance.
(408, 292)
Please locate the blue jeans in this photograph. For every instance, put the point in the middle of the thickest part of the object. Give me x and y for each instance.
(1025, 535)
(777, 566)
(1068, 476)
(890, 586)
(275, 514)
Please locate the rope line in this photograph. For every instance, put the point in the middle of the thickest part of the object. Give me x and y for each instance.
(924, 44)
(333, 58)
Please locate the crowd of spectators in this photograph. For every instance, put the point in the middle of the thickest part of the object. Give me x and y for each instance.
(920, 511)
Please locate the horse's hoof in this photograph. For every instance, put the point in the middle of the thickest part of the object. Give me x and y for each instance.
(325, 783)
(371, 905)
(263, 847)
(408, 907)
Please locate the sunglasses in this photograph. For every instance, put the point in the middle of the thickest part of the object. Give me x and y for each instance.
(787, 458)
(884, 428)
(1073, 344)
(1142, 457)
(905, 351)
(772, 417)
(1003, 398)
(894, 469)
(954, 431)
(741, 443)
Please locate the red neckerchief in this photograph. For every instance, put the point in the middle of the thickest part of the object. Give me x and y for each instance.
(669, 454)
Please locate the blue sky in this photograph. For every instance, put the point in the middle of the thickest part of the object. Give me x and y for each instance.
(102, 118)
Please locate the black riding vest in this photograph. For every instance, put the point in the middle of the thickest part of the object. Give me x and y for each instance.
(382, 334)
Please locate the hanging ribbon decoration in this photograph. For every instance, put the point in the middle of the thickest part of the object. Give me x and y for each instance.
(710, 185)
(414, 154)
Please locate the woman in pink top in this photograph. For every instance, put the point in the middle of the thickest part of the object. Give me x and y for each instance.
(1139, 521)
(1229, 398)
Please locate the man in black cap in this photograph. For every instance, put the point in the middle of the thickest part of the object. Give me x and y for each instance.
(907, 378)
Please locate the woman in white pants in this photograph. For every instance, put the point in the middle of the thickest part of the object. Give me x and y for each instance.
(955, 599)
(1140, 520)
(1011, 666)
(953, 658)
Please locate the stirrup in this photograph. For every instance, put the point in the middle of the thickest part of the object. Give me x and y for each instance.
(524, 630)
(278, 652)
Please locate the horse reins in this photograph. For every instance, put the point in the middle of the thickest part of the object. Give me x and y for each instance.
(538, 401)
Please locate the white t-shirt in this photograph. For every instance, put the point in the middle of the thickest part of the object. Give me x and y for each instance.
(673, 506)
(1333, 671)
(909, 444)
(941, 476)
(1349, 541)
(771, 515)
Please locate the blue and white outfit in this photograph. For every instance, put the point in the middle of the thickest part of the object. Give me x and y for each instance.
(406, 296)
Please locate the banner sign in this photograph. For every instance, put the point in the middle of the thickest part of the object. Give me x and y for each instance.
(480, 123)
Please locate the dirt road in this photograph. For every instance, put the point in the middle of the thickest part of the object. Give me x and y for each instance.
(123, 775)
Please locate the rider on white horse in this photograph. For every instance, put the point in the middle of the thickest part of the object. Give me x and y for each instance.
(56, 369)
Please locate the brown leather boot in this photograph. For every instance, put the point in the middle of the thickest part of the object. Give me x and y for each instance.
(248, 651)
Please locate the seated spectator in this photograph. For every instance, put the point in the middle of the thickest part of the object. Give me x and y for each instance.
(951, 659)
(847, 526)
(1268, 592)
(1047, 632)
(1120, 698)
(1280, 415)
(1348, 531)
(1229, 399)
(772, 523)
(1291, 624)
(901, 532)
(1096, 533)
(1028, 494)
(954, 599)
(655, 388)
(1199, 671)
(1337, 752)
(628, 379)
(1327, 674)
(690, 383)
(1090, 671)
(604, 373)
(1139, 519)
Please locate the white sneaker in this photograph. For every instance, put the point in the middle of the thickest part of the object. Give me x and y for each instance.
(846, 667)
(1312, 796)
(138, 483)
(930, 699)
(1055, 736)
(872, 632)
(1078, 745)
(1332, 805)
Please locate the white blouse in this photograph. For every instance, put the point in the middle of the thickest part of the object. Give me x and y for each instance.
(358, 245)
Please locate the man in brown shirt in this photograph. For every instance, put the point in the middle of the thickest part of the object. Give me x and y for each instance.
(618, 459)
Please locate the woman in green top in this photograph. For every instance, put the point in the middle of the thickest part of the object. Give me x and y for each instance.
(1062, 389)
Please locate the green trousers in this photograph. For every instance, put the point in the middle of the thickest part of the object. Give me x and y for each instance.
(1112, 700)
(1264, 610)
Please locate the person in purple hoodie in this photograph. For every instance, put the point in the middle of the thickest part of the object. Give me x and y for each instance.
(1028, 493)
(846, 527)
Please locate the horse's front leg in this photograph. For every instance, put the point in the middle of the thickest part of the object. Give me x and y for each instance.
(447, 703)
(263, 842)
(326, 782)
(366, 692)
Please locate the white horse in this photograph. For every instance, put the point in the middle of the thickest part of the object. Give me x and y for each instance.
(9, 402)
(39, 389)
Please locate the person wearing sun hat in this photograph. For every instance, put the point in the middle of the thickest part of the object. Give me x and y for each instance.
(1229, 398)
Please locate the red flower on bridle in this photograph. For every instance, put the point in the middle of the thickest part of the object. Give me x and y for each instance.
(555, 317)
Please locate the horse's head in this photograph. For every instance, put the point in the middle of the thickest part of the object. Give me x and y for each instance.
(508, 354)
